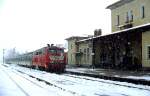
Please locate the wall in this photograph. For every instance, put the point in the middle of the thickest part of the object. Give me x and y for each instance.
(145, 44)
(85, 59)
(71, 52)
(135, 6)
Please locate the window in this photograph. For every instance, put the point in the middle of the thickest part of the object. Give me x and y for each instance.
(129, 16)
(130, 13)
(38, 53)
(56, 51)
(142, 12)
(148, 52)
(118, 21)
(52, 51)
(60, 51)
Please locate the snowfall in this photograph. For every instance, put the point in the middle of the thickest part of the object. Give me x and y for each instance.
(21, 81)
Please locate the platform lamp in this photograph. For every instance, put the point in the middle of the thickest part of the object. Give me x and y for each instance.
(3, 56)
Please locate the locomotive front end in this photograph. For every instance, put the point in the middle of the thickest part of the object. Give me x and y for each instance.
(57, 60)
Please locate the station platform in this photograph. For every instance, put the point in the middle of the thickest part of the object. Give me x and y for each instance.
(136, 77)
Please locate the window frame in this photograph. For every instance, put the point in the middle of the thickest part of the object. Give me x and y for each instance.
(148, 52)
(118, 20)
(127, 18)
(130, 15)
(142, 11)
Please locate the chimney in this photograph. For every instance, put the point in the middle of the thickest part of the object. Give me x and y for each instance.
(97, 32)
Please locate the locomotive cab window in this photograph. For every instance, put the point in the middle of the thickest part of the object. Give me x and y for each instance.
(56, 51)
(60, 51)
(52, 51)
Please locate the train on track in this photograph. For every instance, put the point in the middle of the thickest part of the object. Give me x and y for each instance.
(50, 58)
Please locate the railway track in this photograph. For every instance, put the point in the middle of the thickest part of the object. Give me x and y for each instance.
(48, 83)
(85, 78)
(75, 79)
(41, 80)
(128, 80)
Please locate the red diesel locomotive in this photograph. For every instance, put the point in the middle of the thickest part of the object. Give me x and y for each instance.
(51, 58)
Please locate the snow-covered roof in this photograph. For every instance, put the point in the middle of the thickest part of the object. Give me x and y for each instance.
(125, 30)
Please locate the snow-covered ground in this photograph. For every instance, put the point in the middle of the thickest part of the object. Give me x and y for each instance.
(17, 84)
(7, 86)
(71, 85)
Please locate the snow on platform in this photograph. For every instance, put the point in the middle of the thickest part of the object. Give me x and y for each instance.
(144, 77)
(137, 75)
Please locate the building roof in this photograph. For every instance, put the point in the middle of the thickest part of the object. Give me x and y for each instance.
(118, 4)
(140, 27)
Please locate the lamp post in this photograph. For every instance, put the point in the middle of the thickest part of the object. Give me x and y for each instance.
(92, 54)
(3, 56)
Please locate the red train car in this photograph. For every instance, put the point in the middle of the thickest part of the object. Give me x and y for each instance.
(50, 58)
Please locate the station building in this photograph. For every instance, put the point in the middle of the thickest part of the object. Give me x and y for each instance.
(80, 50)
(73, 49)
(131, 23)
(128, 46)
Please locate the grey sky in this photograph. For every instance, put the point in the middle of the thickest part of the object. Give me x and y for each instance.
(31, 24)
